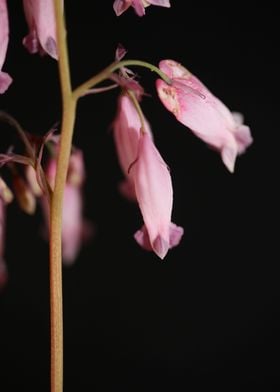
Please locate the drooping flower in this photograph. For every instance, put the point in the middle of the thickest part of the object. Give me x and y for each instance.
(153, 188)
(40, 18)
(147, 181)
(139, 6)
(74, 228)
(197, 108)
(127, 127)
(5, 79)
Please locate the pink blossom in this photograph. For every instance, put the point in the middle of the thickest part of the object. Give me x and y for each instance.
(42, 27)
(139, 6)
(5, 79)
(154, 193)
(197, 108)
(74, 228)
(127, 127)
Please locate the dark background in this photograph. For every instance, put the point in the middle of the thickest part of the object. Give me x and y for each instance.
(208, 315)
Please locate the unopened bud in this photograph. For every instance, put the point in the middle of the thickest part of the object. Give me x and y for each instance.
(32, 181)
(5, 192)
(24, 195)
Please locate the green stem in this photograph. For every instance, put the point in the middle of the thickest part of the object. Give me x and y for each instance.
(105, 74)
(68, 120)
(15, 124)
(138, 109)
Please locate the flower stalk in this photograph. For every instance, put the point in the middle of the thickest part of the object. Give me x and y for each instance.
(68, 120)
(107, 72)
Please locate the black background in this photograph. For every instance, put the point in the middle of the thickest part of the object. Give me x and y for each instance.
(208, 315)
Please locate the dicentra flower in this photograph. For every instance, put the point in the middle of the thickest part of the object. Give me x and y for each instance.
(154, 194)
(197, 108)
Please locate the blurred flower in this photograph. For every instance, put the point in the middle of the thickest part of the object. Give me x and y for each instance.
(74, 228)
(5, 79)
(42, 28)
(139, 6)
(197, 108)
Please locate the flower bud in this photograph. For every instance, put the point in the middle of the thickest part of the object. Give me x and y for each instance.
(24, 195)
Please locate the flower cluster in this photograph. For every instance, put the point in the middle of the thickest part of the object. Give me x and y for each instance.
(147, 176)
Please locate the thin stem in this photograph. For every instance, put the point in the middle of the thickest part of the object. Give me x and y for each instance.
(15, 124)
(138, 109)
(104, 89)
(105, 74)
(69, 109)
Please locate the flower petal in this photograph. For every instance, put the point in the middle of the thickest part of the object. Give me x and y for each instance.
(121, 6)
(161, 3)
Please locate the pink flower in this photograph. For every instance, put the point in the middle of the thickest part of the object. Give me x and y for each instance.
(121, 6)
(147, 179)
(154, 193)
(42, 28)
(197, 108)
(127, 127)
(74, 228)
(5, 79)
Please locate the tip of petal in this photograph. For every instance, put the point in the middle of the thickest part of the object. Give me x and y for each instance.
(31, 42)
(5, 81)
(142, 238)
(160, 247)
(243, 137)
(120, 7)
(229, 154)
(175, 235)
(50, 48)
